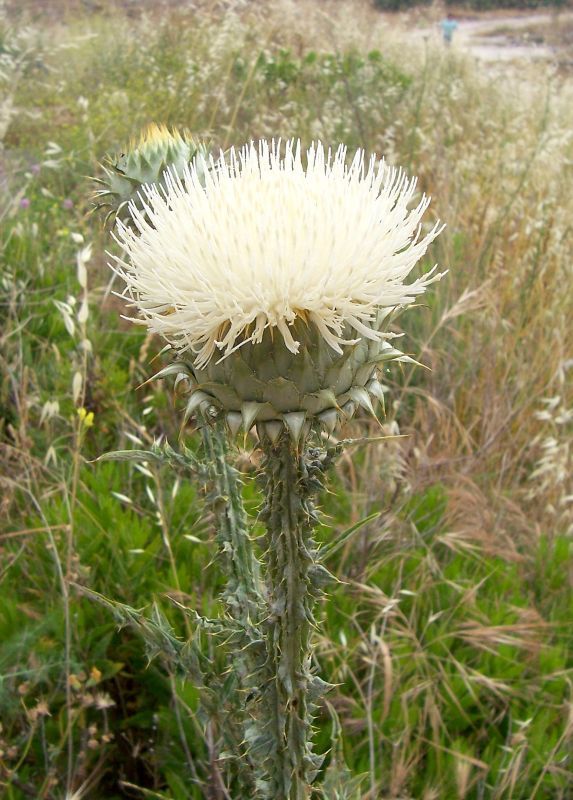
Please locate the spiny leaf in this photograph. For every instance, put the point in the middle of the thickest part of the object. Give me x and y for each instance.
(333, 547)
(129, 455)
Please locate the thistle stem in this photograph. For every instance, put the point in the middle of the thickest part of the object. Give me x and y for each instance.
(243, 592)
(292, 574)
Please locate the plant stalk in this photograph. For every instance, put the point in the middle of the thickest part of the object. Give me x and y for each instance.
(243, 591)
(242, 595)
(293, 576)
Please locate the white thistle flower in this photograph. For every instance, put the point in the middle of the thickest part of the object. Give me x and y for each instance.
(260, 239)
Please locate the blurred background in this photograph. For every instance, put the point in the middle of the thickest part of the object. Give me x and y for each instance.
(449, 638)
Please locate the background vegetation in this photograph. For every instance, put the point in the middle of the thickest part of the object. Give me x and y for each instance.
(476, 5)
(449, 637)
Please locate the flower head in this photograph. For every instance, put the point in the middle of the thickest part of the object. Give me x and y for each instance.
(144, 162)
(262, 238)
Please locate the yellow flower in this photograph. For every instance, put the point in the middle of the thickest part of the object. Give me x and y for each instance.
(86, 417)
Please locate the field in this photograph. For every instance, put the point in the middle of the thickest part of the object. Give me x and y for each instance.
(448, 638)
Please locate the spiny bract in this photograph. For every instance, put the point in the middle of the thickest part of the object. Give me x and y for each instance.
(290, 270)
(144, 163)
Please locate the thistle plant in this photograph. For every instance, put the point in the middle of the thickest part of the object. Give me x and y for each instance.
(143, 162)
(273, 275)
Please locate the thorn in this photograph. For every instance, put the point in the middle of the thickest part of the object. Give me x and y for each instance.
(361, 396)
(197, 398)
(182, 376)
(349, 409)
(249, 411)
(163, 350)
(234, 421)
(328, 419)
(329, 396)
(177, 367)
(295, 423)
(375, 388)
(273, 429)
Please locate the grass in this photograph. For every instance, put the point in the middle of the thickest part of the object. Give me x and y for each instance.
(449, 638)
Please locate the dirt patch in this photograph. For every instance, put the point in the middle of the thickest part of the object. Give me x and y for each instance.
(558, 35)
(502, 37)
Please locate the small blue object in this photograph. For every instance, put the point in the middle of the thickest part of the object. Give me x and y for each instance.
(448, 27)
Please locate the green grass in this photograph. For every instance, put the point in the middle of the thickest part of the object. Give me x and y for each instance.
(449, 637)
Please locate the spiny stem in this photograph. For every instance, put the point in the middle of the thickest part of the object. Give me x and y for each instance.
(292, 478)
(243, 592)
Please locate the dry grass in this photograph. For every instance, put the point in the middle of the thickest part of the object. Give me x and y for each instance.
(450, 635)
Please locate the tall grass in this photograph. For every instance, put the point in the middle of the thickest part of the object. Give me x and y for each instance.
(449, 638)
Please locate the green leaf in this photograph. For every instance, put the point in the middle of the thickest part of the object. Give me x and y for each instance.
(333, 547)
(129, 455)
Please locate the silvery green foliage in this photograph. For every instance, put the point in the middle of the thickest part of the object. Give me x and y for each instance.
(124, 177)
(279, 736)
(242, 595)
(269, 386)
(220, 702)
(243, 590)
(262, 703)
(160, 453)
(338, 782)
(222, 691)
(160, 639)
